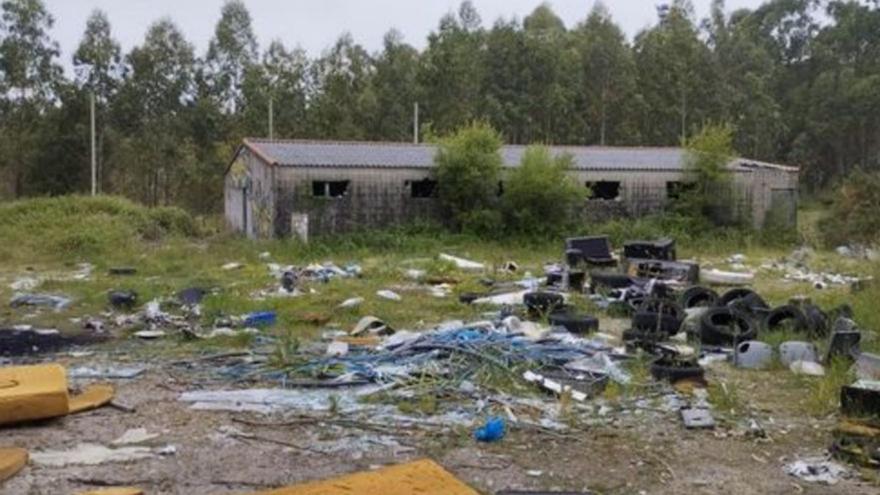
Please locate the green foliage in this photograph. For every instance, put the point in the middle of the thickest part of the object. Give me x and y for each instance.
(855, 211)
(540, 196)
(468, 171)
(86, 226)
(711, 193)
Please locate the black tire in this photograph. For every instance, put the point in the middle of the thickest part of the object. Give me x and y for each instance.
(665, 324)
(578, 324)
(661, 306)
(673, 370)
(725, 327)
(541, 303)
(787, 315)
(741, 298)
(695, 297)
(817, 321)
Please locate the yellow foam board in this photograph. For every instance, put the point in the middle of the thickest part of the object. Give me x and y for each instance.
(91, 397)
(422, 477)
(11, 462)
(28, 393)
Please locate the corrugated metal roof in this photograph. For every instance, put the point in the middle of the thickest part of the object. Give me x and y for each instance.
(403, 155)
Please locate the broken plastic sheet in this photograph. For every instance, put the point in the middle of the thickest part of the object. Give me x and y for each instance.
(106, 372)
(90, 454)
(268, 401)
(601, 363)
(46, 300)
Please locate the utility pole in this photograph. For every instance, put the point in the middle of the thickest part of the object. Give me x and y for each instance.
(94, 147)
(271, 120)
(416, 123)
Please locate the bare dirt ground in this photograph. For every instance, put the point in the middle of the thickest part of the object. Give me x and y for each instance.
(622, 450)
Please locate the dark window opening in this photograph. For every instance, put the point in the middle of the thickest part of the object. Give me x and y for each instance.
(604, 190)
(426, 188)
(329, 189)
(675, 190)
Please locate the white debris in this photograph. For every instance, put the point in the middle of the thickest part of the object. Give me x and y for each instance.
(509, 298)
(267, 401)
(462, 263)
(389, 295)
(90, 454)
(720, 277)
(134, 436)
(414, 274)
(817, 470)
(553, 386)
(24, 284)
(233, 266)
(351, 303)
(337, 349)
(265, 255)
(738, 258)
(807, 368)
(149, 334)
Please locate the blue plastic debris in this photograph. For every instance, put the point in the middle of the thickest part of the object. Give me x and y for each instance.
(492, 431)
(261, 319)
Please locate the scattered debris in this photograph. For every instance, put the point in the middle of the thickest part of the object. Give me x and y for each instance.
(697, 418)
(861, 399)
(817, 470)
(233, 266)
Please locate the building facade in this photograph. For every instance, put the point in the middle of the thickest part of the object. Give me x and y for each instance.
(304, 188)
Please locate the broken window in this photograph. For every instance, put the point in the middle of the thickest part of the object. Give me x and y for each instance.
(329, 189)
(675, 190)
(422, 188)
(604, 190)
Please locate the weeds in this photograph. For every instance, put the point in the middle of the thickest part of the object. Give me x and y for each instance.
(824, 392)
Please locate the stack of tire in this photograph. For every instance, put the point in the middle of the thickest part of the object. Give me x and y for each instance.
(654, 320)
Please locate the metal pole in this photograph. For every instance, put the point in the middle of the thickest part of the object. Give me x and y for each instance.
(416, 123)
(94, 147)
(271, 120)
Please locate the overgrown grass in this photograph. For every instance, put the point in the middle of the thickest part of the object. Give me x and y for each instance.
(76, 226)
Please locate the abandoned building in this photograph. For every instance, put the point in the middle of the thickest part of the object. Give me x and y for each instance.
(281, 188)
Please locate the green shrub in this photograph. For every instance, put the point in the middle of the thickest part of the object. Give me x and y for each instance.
(855, 211)
(711, 195)
(468, 170)
(540, 196)
(84, 226)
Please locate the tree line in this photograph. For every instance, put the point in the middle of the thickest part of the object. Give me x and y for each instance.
(798, 81)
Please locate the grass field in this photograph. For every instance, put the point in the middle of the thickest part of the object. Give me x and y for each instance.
(48, 240)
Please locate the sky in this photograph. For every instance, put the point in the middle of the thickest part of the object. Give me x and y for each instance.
(315, 24)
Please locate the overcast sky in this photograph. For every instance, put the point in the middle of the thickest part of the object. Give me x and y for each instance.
(315, 24)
